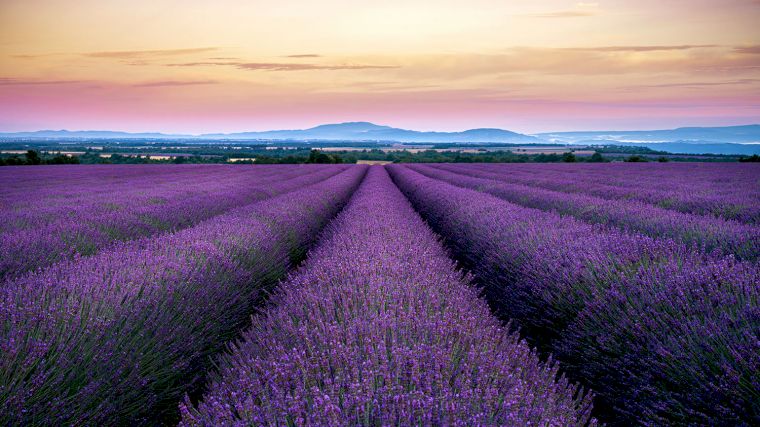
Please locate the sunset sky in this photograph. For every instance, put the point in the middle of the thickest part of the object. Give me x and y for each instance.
(529, 66)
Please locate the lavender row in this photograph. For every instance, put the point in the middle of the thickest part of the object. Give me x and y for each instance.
(662, 333)
(68, 201)
(378, 328)
(721, 198)
(119, 337)
(707, 233)
(90, 226)
(64, 176)
(713, 178)
(45, 184)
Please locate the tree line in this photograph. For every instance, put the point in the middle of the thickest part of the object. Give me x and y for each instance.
(32, 157)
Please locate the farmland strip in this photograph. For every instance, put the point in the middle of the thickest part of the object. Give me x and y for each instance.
(378, 328)
(45, 183)
(91, 226)
(73, 201)
(663, 334)
(709, 234)
(712, 178)
(725, 198)
(119, 337)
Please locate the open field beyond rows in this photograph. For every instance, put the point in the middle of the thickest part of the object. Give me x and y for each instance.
(398, 294)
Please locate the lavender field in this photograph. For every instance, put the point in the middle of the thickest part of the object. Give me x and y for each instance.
(405, 294)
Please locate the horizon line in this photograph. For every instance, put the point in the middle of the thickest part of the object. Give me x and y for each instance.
(367, 122)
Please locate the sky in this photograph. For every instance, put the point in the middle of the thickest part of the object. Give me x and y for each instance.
(192, 66)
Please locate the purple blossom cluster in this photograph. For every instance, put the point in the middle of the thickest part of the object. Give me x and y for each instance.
(705, 232)
(120, 287)
(121, 336)
(85, 213)
(726, 190)
(663, 332)
(379, 328)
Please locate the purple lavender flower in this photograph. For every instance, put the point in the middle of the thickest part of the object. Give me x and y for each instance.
(119, 337)
(709, 233)
(726, 190)
(662, 331)
(378, 328)
(87, 212)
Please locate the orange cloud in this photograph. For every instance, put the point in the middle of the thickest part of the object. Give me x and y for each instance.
(277, 66)
(175, 83)
(748, 49)
(641, 48)
(708, 84)
(8, 81)
(563, 14)
(148, 53)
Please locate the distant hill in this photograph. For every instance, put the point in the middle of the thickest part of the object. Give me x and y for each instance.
(365, 131)
(691, 140)
(68, 134)
(352, 131)
(734, 140)
(694, 135)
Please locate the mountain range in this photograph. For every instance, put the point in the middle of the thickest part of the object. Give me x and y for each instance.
(743, 140)
(365, 131)
(351, 131)
(726, 134)
(717, 140)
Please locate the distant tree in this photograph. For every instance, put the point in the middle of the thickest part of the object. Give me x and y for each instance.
(14, 160)
(32, 158)
(635, 159)
(663, 159)
(752, 159)
(316, 156)
(293, 159)
(569, 157)
(597, 158)
(62, 160)
(547, 158)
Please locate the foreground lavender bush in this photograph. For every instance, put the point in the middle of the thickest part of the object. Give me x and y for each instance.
(712, 234)
(119, 337)
(378, 328)
(661, 332)
(65, 227)
(689, 343)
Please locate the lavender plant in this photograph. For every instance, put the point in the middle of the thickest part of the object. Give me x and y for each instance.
(663, 333)
(52, 228)
(708, 233)
(725, 190)
(378, 328)
(119, 337)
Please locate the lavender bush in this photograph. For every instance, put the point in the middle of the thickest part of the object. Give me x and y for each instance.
(34, 198)
(378, 328)
(119, 337)
(709, 233)
(724, 190)
(51, 228)
(686, 340)
(662, 332)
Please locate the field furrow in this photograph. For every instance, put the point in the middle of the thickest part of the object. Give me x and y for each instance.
(725, 197)
(120, 337)
(378, 328)
(706, 233)
(663, 333)
(81, 227)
